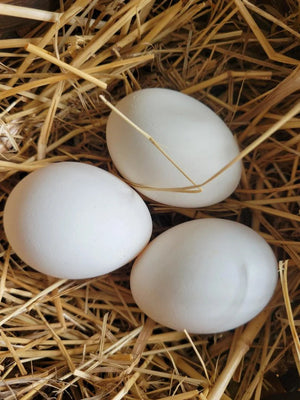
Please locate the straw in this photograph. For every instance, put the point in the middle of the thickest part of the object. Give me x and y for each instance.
(29, 13)
(87, 339)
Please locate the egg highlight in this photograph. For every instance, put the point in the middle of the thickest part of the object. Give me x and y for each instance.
(74, 220)
(205, 276)
(188, 131)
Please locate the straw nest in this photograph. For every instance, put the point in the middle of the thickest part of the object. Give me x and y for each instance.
(87, 339)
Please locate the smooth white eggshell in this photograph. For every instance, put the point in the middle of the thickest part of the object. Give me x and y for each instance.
(74, 220)
(205, 276)
(190, 132)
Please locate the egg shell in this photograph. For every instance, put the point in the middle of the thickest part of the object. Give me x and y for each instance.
(190, 132)
(74, 220)
(205, 276)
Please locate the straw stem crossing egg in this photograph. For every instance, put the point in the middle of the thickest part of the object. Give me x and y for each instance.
(190, 133)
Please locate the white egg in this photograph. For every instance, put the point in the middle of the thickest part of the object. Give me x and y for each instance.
(74, 220)
(190, 132)
(205, 276)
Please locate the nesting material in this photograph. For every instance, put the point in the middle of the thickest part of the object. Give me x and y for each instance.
(87, 339)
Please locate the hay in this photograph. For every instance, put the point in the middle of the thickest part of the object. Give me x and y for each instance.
(87, 339)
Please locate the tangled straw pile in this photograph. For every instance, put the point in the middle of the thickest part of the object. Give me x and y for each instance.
(87, 339)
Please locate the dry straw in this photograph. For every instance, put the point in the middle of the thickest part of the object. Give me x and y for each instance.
(87, 339)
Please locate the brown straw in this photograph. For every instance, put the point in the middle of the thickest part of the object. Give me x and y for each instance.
(87, 339)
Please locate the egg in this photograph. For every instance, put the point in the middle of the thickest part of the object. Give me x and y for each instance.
(205, 276)
(74, 220)
(196, 139)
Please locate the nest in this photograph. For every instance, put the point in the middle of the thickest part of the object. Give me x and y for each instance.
(87, 339)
